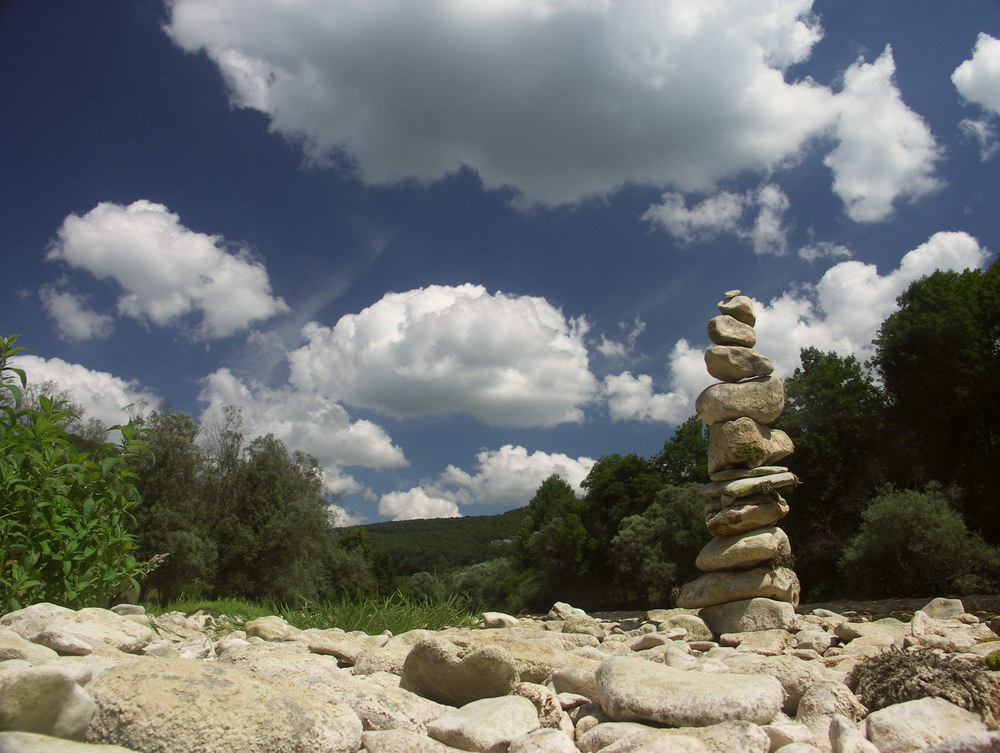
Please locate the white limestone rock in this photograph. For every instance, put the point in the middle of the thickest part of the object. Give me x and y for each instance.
(30, 742)
(746, 443)
(214, 708)
(745, 514)
(718, 587)
(740, 307)
(941, 608)
(762, 399)
(632, 689)
(441, 671)
(743, 550)
(728, 330)
(46, 700)
(13, 646)
(499, 620)
(543, 741)
(915, 725)
(488, 725)
(401, 741)
(731, 363)
(845, 737)
(747, 615)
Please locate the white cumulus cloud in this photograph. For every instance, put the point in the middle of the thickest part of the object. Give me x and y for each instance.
(509, 476)
(886, 151)
(557, 99)
(841, 313)
(102, 396)
(844, 310)
(507, 360)
(74, 320)
(727, 213)
(978, 79)
(165, 270)
(634, 398)
(307, 421)
(416, 505)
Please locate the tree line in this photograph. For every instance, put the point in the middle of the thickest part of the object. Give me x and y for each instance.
(898, 459)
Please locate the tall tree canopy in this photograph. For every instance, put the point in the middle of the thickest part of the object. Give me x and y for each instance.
(834, 414)
(939, 360)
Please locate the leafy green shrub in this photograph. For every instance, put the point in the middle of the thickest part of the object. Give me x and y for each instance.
(63, 526)
(916, 544)
(897, 677)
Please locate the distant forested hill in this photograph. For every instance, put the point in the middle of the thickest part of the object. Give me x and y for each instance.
(441, 544)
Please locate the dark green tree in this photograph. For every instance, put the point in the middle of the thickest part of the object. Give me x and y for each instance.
(939, 360)
(654, 552)
(554, 547)
(834, 414)
(917, 544)
(272, 528)
(684, 457)
(172, 518)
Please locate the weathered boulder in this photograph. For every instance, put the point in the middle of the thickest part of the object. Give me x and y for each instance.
(747, 487)
(440, 670)
(543, 741)
(488, 725)
(731, 363)
(941, 608)
(762, 399)
(30, 742)
(537, 654)
(13, 646)
(499, 620)
(631, 689)
(745, 442)
(845, 737)
(402, 741)
(746, 615)
(208, 707)
(915, 725)
(744, 514)
(78, 632)
(45, 700)
(740, 307)
(743, 550)
(728, 330)
(378, 707)
(718, 587)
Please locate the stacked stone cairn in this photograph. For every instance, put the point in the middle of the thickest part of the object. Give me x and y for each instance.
(747, 584)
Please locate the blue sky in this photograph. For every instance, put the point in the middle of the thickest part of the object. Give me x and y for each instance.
(450, 247)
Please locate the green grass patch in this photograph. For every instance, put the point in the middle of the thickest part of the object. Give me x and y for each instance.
(397, 613)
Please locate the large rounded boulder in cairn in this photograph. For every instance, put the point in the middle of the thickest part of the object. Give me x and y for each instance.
(747, 583)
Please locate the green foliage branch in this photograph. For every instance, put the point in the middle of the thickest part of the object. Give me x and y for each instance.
(65, 514)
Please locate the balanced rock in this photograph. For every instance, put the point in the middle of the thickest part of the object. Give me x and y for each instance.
(739, 307)
(761, 398)
(747, 615)
(745, 514)
(732, 474)
(743, 550)
(745, 487)
(731, 363)
(632, 689)
(727, 330)
(745, 442)
(721, 586)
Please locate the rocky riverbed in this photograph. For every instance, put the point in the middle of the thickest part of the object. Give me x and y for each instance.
(103, 681)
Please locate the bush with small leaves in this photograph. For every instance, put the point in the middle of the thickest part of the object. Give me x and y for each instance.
(897, 677)
(64, 523)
